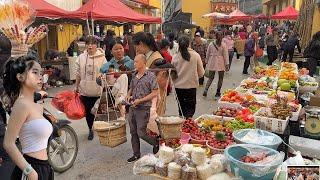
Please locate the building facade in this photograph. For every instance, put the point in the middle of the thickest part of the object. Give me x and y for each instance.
(60, 36)
(147, 7)
(198, 9)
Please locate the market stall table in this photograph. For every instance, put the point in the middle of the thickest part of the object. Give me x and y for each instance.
(67, 65)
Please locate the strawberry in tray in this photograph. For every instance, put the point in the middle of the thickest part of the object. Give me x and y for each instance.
(189, 125)
(200, 135)
(221, 140)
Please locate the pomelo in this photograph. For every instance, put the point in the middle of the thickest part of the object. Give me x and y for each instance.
(285, 86)
(281, 81)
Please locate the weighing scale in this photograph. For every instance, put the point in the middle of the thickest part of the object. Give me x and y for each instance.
(312, 124)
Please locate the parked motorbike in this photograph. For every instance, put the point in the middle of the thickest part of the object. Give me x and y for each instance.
(63, 143)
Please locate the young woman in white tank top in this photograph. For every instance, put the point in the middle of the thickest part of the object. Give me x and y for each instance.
(21, 79)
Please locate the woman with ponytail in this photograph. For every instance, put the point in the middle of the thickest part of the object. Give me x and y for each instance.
(189, 68)
(145, 44)
(21, 79)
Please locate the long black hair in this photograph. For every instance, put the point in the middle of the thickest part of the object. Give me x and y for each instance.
(11, 84)
(145, 38)
(219, 37)
(184, 43)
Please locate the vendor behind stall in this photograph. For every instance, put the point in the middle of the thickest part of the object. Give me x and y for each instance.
(73, 48)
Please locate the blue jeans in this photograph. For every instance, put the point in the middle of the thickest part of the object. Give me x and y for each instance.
(231, 53)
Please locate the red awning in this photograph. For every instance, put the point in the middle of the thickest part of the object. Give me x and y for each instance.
(260, 16)
(47, 10)
(111, 10)
(236, 15)
(289, 13)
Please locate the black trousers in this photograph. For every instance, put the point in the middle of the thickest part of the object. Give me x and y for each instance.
(88, 103)
(42, 167)
(272, 54)
(230, 53)
(312, 66)
(138, 119)
(238, 55)
(286, 53)
(188, 101)
(246, 64)
(201, 80)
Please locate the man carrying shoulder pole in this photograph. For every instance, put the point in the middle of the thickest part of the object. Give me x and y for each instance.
(143, 88)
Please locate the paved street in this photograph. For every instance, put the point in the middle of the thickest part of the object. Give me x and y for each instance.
(98, 162)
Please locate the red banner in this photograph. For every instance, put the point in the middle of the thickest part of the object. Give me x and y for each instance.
(222, 7)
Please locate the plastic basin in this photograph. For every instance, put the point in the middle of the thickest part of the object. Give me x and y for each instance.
(239, 134)
(185, 138)
(234, 152)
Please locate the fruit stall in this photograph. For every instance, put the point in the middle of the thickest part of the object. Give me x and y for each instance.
(246, 137)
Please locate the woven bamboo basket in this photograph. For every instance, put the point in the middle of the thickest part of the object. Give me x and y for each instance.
(111, 134)
(170, 127)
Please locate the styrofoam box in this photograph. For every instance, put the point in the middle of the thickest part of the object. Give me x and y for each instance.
(228, 104)
(214, 117)
(295, 115)
(270, 124)
(307, 147)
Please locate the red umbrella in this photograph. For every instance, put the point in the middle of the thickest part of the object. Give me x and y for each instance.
(289, 13)
(111, 10)
(47, 10)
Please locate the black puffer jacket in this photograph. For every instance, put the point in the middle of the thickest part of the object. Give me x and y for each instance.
(313, 49)
(291, 43)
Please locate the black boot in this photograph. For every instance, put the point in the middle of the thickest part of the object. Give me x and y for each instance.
(91, 135)
(218, 94)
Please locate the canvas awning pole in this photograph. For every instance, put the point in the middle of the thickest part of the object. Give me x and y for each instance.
(92, 26)
(88, 26)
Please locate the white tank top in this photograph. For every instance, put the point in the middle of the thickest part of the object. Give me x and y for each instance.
(34, 135)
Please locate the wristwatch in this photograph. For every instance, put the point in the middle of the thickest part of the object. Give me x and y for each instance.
(28, 170)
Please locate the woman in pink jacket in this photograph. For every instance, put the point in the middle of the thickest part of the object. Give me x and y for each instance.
(217, 60)
(228, 40)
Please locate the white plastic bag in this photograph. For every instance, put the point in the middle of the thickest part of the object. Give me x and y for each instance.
(145, 165)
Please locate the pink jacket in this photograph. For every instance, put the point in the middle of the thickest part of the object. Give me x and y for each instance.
(217, 58)
(229, 42)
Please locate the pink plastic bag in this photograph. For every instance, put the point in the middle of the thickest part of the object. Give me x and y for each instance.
(75, 109)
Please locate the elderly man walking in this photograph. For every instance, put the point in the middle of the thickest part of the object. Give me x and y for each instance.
(143, 89)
